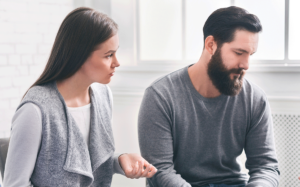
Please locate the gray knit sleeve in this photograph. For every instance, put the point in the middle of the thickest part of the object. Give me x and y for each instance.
(260, 147)
(25, 141)
(111, 100)
(156, 142)
(117, 166)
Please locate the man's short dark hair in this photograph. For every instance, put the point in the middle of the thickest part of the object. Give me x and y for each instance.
(223, 23)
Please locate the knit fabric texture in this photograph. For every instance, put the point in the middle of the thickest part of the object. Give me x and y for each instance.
(64, 158)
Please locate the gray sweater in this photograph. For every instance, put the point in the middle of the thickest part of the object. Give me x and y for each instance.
(193, 140)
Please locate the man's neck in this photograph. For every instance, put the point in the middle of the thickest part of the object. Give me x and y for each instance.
(200, 79)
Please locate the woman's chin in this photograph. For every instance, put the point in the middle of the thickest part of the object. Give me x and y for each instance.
(104, 81)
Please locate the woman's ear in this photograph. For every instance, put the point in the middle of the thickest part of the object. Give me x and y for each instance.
(210, 44)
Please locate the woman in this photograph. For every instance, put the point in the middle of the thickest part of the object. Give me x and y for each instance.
(61, 132)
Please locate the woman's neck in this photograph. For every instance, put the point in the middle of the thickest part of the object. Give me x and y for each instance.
(74, 90)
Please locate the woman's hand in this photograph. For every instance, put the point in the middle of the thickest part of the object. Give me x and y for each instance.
(136, 166)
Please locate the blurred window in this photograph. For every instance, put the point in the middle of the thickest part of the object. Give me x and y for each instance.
(160, 28)
(271, 14)
(168, 32)
(294, 30)
(197, 12)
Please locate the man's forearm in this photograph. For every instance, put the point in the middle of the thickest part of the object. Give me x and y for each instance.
(167, 179)
(264, 177)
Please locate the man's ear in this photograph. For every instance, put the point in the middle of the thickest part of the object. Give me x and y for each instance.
(210, 44)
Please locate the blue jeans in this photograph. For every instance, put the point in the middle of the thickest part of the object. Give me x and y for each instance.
(221, 185)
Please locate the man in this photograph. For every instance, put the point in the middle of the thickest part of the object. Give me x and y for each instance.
(195, 122)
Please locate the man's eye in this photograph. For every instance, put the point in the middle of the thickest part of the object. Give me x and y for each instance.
(238, 53)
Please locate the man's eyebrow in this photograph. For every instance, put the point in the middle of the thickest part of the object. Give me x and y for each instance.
(112, 51)
(241, 50)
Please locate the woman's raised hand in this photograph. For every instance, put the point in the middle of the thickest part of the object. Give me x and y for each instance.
(136, 166)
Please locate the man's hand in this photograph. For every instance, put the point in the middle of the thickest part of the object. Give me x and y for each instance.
(136, 166)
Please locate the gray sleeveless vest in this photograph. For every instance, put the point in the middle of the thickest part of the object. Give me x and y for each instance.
(64, 159)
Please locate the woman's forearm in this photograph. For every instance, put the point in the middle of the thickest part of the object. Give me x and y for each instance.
(24, 145)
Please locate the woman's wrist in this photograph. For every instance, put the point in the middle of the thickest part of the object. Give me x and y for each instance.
(119, 160)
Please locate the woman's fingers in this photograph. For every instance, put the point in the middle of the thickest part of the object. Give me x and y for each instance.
(152, 171)
(134, 170)
(140, 170)
(135, 166)
(146, 171)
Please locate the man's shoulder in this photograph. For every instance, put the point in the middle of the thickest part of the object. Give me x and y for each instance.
(169, 81)
(253, 91)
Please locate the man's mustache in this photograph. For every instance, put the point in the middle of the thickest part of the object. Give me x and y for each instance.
(237, 71)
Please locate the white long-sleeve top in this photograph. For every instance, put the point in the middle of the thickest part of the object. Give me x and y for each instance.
(25, 142)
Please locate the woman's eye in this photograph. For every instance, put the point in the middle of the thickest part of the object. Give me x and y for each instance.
(238, 53)
(109, 56)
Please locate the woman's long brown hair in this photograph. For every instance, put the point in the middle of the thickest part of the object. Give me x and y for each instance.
(80, 32)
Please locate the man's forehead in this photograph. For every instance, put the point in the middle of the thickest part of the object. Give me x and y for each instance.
(245, 40)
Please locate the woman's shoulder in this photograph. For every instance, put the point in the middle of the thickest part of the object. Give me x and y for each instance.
(43, 92)
(101, 89)
(102, 94)
(27, 111)
(44, 96)
(98, 86)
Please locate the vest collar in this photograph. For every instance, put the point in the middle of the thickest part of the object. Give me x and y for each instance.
(83, 159)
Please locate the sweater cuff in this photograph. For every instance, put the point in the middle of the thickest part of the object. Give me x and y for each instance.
(259, 184)
(117, 167)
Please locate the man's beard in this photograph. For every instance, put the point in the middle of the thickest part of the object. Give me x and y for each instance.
(220, 76)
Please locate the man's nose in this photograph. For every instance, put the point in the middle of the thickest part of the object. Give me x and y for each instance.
(244, 64)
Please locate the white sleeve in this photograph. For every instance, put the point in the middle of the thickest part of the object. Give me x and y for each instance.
(25, 141)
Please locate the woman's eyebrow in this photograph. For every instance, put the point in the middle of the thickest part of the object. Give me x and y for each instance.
(112, 51)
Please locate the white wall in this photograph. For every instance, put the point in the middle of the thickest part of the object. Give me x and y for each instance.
(27, 32)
